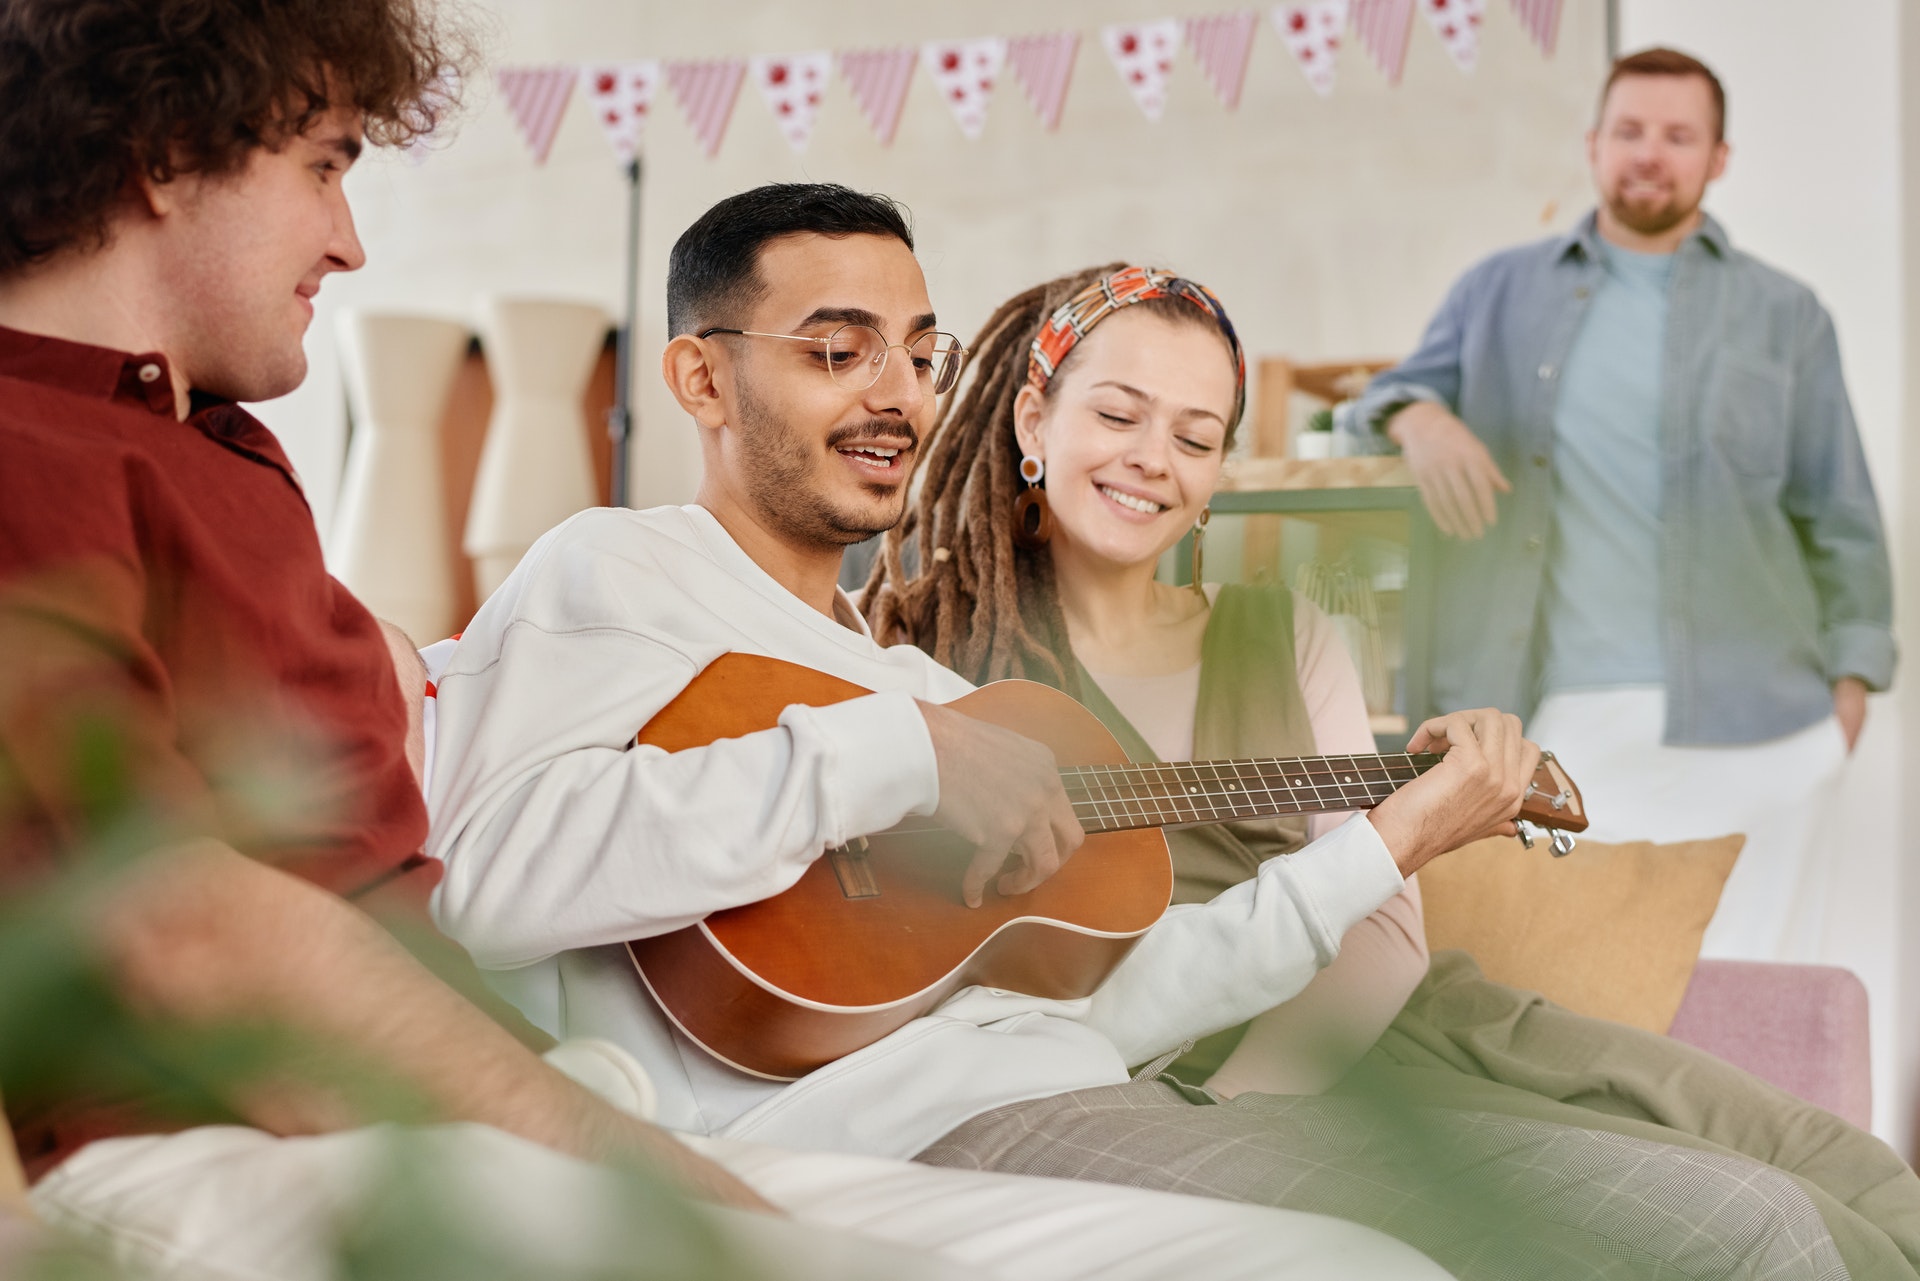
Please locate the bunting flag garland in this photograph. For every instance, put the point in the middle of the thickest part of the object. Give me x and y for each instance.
(1221, 44)
(964, 72)
(1044, 66)
(792, 84)
(622, 95)
(879, 79)
(537, 98)
(1457, 23)
(706, 91)
(1311, 33)
(1383, 28)
(1143, 55)
(1541, 18)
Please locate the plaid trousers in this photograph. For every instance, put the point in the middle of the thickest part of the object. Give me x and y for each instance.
(1490, 1198)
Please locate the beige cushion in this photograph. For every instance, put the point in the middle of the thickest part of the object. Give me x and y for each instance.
(1612, 931)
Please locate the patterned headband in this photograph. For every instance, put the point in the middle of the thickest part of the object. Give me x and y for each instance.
(1076, 317)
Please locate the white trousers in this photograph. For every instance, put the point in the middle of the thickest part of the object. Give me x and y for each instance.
(235, 1204)
(1780, 794)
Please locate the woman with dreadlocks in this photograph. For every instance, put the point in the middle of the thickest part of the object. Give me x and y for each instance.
(1089, 440)
(1053, 486)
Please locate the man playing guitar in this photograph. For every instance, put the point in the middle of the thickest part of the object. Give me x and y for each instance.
(805, 349)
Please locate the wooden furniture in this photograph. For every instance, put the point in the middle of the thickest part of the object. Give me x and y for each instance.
(1278, 379)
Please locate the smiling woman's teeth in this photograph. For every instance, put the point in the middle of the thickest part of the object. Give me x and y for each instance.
(1146, 505)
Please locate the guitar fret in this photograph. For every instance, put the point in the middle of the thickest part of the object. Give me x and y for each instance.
(1178, 793)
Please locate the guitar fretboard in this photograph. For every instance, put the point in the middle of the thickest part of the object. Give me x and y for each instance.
(1112, 798)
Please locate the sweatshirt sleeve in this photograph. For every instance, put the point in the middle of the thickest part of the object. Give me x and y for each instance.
(557, 833)
(1208, 966)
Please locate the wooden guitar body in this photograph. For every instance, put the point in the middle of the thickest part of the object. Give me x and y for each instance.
(869, 940)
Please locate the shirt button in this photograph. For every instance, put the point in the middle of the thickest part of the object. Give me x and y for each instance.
(1535, 542)
(1546, 373)
(149, 373)
(1581, 292)
(1541, 460)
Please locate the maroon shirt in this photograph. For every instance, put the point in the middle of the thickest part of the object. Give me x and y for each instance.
(162, 592)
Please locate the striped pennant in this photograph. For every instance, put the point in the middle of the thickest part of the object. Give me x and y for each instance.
(1221, 43)
(706, 91)
(622, 97)
(880, 79)
(1457, 23)
(537, 98)
(1311, 33)
(1044, 65)
(1382, 27)
(1541, 18)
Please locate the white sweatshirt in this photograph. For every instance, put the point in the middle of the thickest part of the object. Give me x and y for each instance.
(561, 841)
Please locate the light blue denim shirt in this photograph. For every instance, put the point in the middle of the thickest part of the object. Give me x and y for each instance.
(1774, 573)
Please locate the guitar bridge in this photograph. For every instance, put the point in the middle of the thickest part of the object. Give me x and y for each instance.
(853, 869)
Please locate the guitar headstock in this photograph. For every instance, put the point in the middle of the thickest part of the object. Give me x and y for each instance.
(1552, 802)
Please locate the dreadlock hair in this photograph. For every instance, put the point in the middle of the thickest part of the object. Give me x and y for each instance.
(979, 603)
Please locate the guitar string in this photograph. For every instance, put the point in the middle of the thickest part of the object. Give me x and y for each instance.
(1158, 794)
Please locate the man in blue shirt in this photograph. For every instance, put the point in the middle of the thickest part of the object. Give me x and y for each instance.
(1664, 550)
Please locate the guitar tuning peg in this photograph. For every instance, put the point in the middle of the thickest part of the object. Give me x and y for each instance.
(1562, 844)
(1526, 832)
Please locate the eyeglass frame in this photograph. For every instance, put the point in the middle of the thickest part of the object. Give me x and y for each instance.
(886, 351)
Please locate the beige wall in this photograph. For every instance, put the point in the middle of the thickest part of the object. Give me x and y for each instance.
(1329, 226)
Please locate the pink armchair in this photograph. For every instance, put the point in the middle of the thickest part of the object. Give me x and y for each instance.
(1800, 1027)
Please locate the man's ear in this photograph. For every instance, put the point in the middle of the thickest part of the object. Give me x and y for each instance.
(687, 365)
(1721, 150)
(1029, 408)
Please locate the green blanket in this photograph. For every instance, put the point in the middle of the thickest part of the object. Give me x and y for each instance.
(1469, 1044)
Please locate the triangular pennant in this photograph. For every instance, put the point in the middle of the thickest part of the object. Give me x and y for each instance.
(879, 79)
(792, 84)
(1383, 27)
(1457, 23)
(1044, 65)
(1541, 18)
(1220, 44)
(537, 98)
(1143, 55)
(964, 71)
(1312, 34)
(706, 91)
(622, 97)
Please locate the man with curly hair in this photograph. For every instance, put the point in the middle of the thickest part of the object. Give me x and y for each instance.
(178, 664)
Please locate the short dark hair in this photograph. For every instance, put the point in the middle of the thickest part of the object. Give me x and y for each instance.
(1668, 62)
(95, 93)
(713, 276)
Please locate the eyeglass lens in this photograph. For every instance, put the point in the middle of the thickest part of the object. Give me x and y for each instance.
(856, 355)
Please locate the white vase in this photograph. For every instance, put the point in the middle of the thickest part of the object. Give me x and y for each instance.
(389, 537)
(535, 470)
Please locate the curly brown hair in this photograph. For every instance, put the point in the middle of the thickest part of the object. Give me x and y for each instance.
(97, 92)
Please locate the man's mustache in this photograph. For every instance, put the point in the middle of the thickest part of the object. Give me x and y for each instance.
(878, 432)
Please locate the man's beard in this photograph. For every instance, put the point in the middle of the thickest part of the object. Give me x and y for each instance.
(778, 470)
(1652, 221)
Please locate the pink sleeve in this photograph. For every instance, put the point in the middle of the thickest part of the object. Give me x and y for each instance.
(1305, 1045)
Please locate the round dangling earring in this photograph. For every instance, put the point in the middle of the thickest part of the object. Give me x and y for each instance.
(1200, 552)
(1032, 522)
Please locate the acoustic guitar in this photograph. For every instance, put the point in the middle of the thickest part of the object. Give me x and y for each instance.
(875, 933)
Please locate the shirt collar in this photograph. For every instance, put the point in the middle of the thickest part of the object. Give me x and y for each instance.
(1584, 238)
(140, 380)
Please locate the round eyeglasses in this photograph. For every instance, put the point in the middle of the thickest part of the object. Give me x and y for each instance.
(856, 355)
